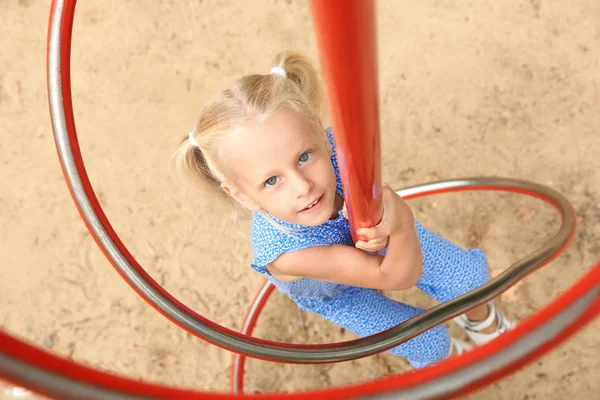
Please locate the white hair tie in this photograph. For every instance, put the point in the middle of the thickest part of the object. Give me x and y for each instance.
(192, 140)
(278, 71)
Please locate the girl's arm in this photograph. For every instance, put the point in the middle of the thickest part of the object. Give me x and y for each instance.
(399, 269)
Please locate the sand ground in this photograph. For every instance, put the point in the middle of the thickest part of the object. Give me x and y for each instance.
(505, 88)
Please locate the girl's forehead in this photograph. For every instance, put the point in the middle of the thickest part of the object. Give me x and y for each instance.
(260, 143)
(284, 130)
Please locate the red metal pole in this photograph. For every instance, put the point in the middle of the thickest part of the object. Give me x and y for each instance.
(348, 51)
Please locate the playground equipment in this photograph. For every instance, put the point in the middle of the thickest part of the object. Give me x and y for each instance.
(352, 27)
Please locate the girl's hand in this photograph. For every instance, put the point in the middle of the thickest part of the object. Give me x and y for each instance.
(394, 214)
(374, 245)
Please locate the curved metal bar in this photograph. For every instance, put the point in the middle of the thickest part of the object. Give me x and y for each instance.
(43, 372)
(100, 228)
(238, 361)
(56, 377)
(508, 278)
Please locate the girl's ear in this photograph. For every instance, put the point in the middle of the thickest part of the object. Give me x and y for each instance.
(240, 196)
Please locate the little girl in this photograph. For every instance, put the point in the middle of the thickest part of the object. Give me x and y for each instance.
(262, 143)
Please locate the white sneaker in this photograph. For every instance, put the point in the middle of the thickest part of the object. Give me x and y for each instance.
(474, 328)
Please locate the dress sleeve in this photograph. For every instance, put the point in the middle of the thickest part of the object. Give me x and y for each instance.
(269, 241)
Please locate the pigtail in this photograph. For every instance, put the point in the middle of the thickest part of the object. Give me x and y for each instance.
(191, 165)
(302, 72)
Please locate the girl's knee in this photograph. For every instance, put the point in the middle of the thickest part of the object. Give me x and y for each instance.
(427, 348)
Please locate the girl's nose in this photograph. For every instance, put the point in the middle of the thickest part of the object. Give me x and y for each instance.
(302, 185)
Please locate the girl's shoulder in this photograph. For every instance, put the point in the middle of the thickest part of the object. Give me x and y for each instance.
(269, 239)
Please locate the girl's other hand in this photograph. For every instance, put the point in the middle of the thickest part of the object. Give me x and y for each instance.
(374, 245)
(394, 216)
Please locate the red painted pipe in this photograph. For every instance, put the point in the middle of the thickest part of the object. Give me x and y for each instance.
(348, 51)
(37, 357)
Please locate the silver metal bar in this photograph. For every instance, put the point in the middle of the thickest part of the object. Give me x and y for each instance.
(228, 339)
(66, 387)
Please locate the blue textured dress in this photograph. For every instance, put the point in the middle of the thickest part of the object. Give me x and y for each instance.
(448, 271)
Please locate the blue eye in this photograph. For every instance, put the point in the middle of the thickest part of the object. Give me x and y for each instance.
(305, 157)
(271, 181)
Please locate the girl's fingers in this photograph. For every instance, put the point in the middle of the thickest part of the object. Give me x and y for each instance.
(361, 244)
(368, 233)
(381, 239)
(378, 232)
(372, 245)
(379, 244)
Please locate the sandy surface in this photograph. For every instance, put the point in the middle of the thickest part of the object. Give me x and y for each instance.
(505, 88)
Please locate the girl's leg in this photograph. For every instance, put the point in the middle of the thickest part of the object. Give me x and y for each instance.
(450, 271)
(479, 314)
(366, 312)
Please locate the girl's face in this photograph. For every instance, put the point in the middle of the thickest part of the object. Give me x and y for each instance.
(280, 167)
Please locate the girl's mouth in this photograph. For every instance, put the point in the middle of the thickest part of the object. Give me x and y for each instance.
(314, 206)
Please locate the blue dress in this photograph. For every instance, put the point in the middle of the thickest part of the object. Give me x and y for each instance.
(448, 271)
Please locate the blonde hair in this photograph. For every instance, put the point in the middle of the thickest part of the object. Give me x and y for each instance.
(252, 97)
